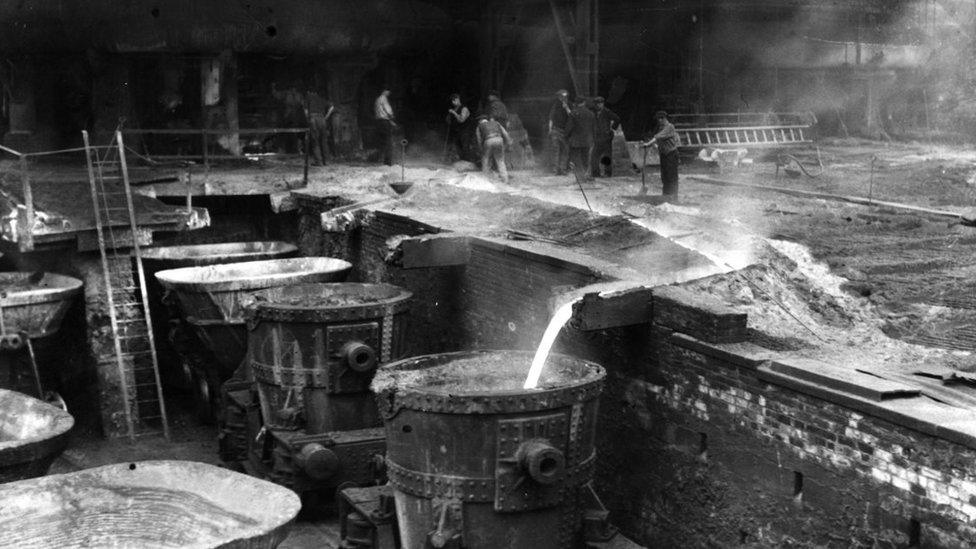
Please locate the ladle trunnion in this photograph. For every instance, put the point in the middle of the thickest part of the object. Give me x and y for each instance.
(475, 461)
(312, 352)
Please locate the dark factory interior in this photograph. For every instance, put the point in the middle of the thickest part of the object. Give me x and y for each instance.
(411, 274)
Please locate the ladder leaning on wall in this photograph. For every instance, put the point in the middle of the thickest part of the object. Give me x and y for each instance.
(134, 353)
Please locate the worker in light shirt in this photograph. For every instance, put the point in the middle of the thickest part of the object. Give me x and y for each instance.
(386, 123)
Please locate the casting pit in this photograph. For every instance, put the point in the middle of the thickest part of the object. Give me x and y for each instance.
(474, 458)
(213, 299)
(146, 504)
(32, 434)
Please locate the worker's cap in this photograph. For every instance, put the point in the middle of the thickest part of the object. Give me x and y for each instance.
(494, 92)
(562, 92)
(481, 117)
(580, 100)
(599, 100)
(660, 114)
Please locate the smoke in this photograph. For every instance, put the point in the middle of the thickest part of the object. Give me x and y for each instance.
(895, 67)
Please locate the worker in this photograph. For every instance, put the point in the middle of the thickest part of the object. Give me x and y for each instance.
(458, 126)
(386, 123)
(494, 139)
(496, 109)
(290, 115)
(579, 136)
(558, 118)
(607, 123)
(317, 112)
(667, 141)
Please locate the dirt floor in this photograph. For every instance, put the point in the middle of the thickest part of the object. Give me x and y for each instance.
(824, 274)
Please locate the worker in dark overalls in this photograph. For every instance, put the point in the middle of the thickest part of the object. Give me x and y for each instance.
(667, 142)
(579, 135)
(607, 123)
(459, 127)
(317, 111)
(558, 118)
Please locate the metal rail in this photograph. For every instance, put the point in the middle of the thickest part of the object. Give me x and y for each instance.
(206, 155)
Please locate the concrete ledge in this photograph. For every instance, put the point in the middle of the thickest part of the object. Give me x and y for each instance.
(700, 316)
(435, 251)
(745, 355)
(918, 413)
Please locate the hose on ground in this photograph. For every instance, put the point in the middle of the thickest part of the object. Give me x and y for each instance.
(784, 160)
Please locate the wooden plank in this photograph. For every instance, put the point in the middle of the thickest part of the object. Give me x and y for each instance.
(846, 379)
(612, 304)
(698, 315)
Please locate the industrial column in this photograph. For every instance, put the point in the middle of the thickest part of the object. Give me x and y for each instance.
(578, 29)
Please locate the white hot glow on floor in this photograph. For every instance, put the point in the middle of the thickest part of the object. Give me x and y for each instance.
(556, 323)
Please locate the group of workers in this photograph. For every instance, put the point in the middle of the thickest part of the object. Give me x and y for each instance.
(580, 135)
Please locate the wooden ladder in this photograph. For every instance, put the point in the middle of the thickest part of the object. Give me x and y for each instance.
(134, 355)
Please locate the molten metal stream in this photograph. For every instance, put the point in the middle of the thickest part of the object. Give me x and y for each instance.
(562, 316)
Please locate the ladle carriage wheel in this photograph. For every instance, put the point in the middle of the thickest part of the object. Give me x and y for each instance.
(206, 391)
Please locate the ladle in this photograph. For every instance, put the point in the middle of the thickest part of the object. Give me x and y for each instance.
(403, 185)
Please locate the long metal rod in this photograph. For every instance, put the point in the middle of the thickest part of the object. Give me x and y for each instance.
(142, 284)
(26, 243)
(36, 370)
(108, 290)
(210, 131)
(561, 33)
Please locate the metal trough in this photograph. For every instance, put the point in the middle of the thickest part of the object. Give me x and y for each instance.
(165, 258)
(477, 461)
(32, 434)
(213, 298)
(32, 305)
(35, 303)
(146, 504)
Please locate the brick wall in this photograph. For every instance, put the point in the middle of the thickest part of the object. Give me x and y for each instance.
(507, 292)
(705, 450)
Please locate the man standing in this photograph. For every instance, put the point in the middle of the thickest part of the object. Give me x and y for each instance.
(607, 123)
(667, 147)
(317, 112)
(496, 109)
(493, 139)
(458, 125)
(386, 124)
(558, 118)
(579, 135)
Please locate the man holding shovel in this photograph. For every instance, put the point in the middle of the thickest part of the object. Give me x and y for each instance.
(667, 142)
